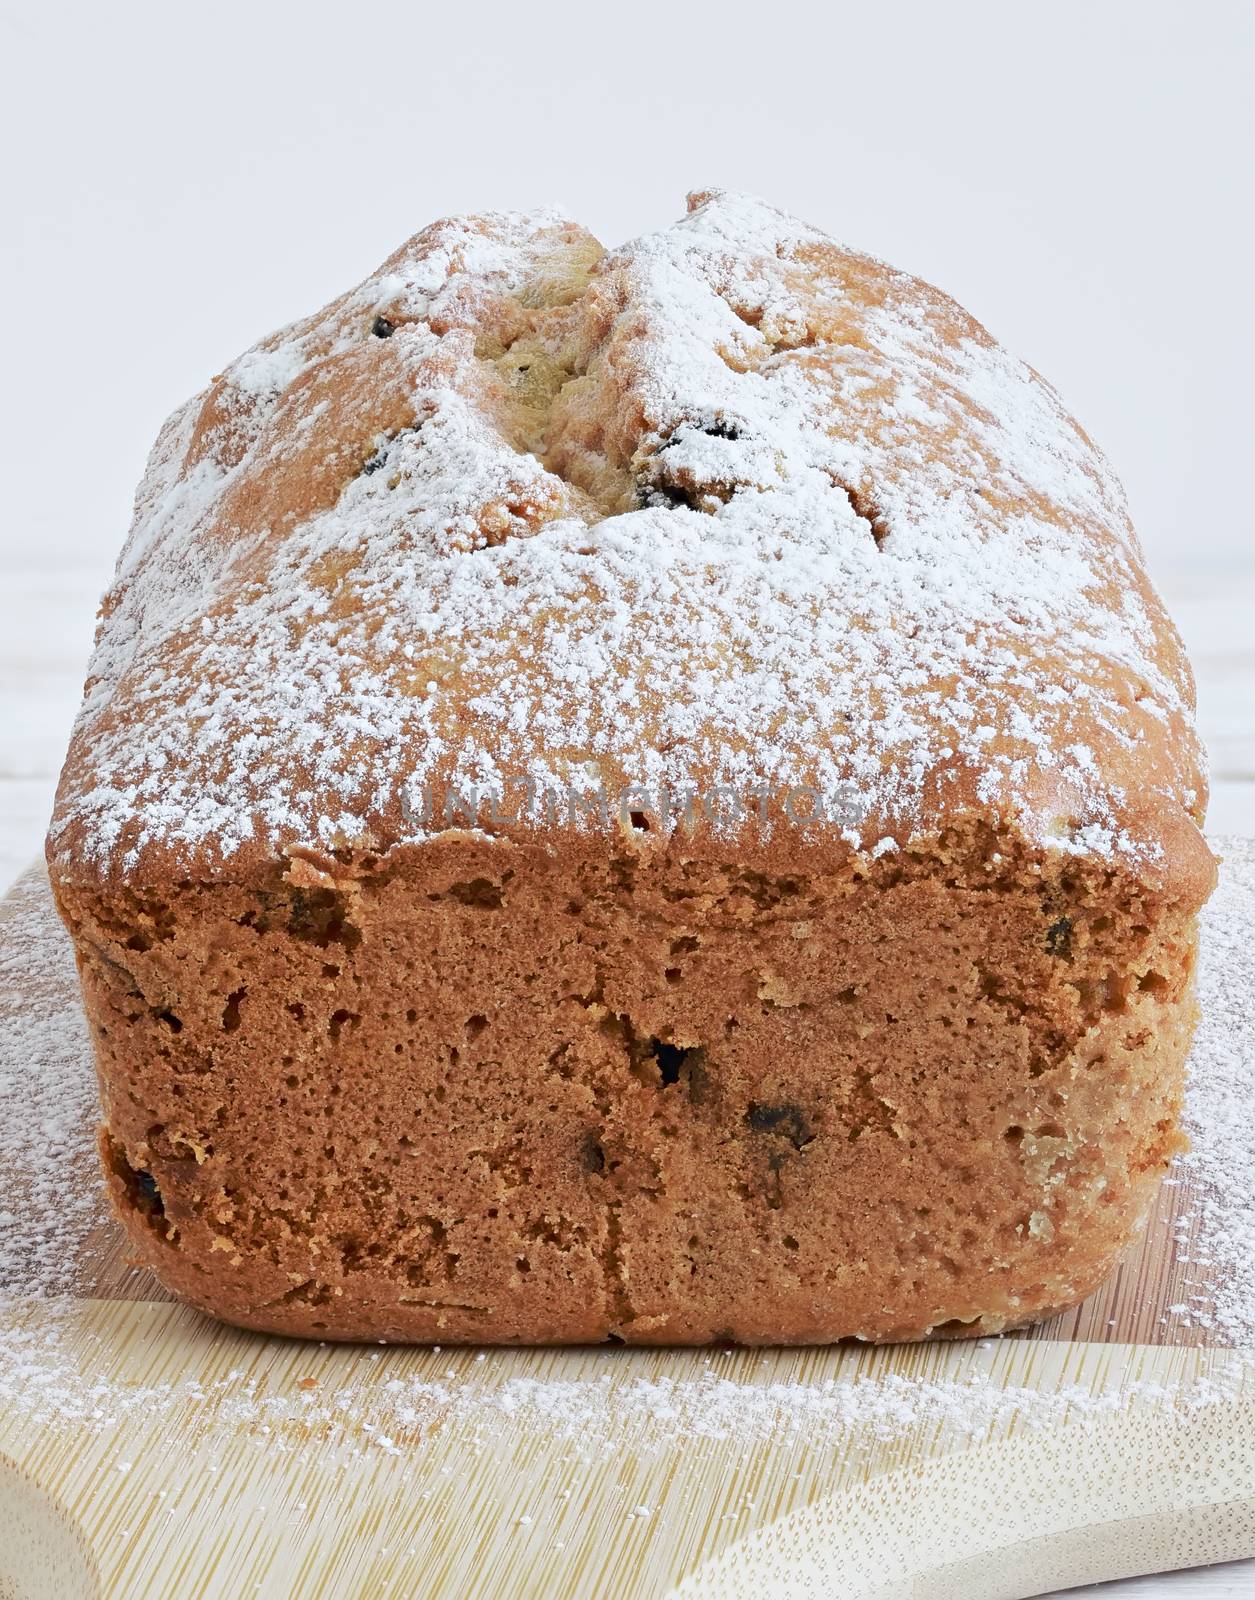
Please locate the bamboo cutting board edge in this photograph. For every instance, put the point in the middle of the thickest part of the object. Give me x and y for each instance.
(468, 1505)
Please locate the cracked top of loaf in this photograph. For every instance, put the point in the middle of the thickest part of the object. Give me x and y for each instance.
(729, 508)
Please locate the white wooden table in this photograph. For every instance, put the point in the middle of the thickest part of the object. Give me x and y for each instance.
(46, 619)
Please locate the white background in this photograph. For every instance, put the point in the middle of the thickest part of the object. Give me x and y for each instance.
(179, 180)
(176, 180)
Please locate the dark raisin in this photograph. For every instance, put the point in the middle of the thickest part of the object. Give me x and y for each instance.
(382, 328)
(1059, 937)
(721, 430)
(318, 917)
(373, 463)
(481, 892)
(671, 495)
(146, 1186)
(786, 1120)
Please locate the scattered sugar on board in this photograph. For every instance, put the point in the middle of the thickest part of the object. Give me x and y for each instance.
(1218, 1109)
(389, 1399)
(51, 1194)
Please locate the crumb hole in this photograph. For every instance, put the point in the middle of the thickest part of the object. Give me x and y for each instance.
(670, 1059)
(340, 1020)
(864, 506)
(231, 1012)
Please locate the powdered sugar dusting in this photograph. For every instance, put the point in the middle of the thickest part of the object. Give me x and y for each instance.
(740, 508)
(372, 1400)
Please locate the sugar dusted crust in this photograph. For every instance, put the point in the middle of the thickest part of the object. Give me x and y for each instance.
(730, 505)
(730, 510)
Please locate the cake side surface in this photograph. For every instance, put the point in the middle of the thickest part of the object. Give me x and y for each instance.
(641, 794)
(496, 1094)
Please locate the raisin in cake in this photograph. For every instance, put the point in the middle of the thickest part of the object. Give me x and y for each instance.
(634, 795)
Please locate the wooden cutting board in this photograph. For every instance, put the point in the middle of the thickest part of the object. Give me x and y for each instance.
(148, 1453)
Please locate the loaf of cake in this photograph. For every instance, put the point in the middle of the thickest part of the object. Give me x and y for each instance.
(638, 795)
